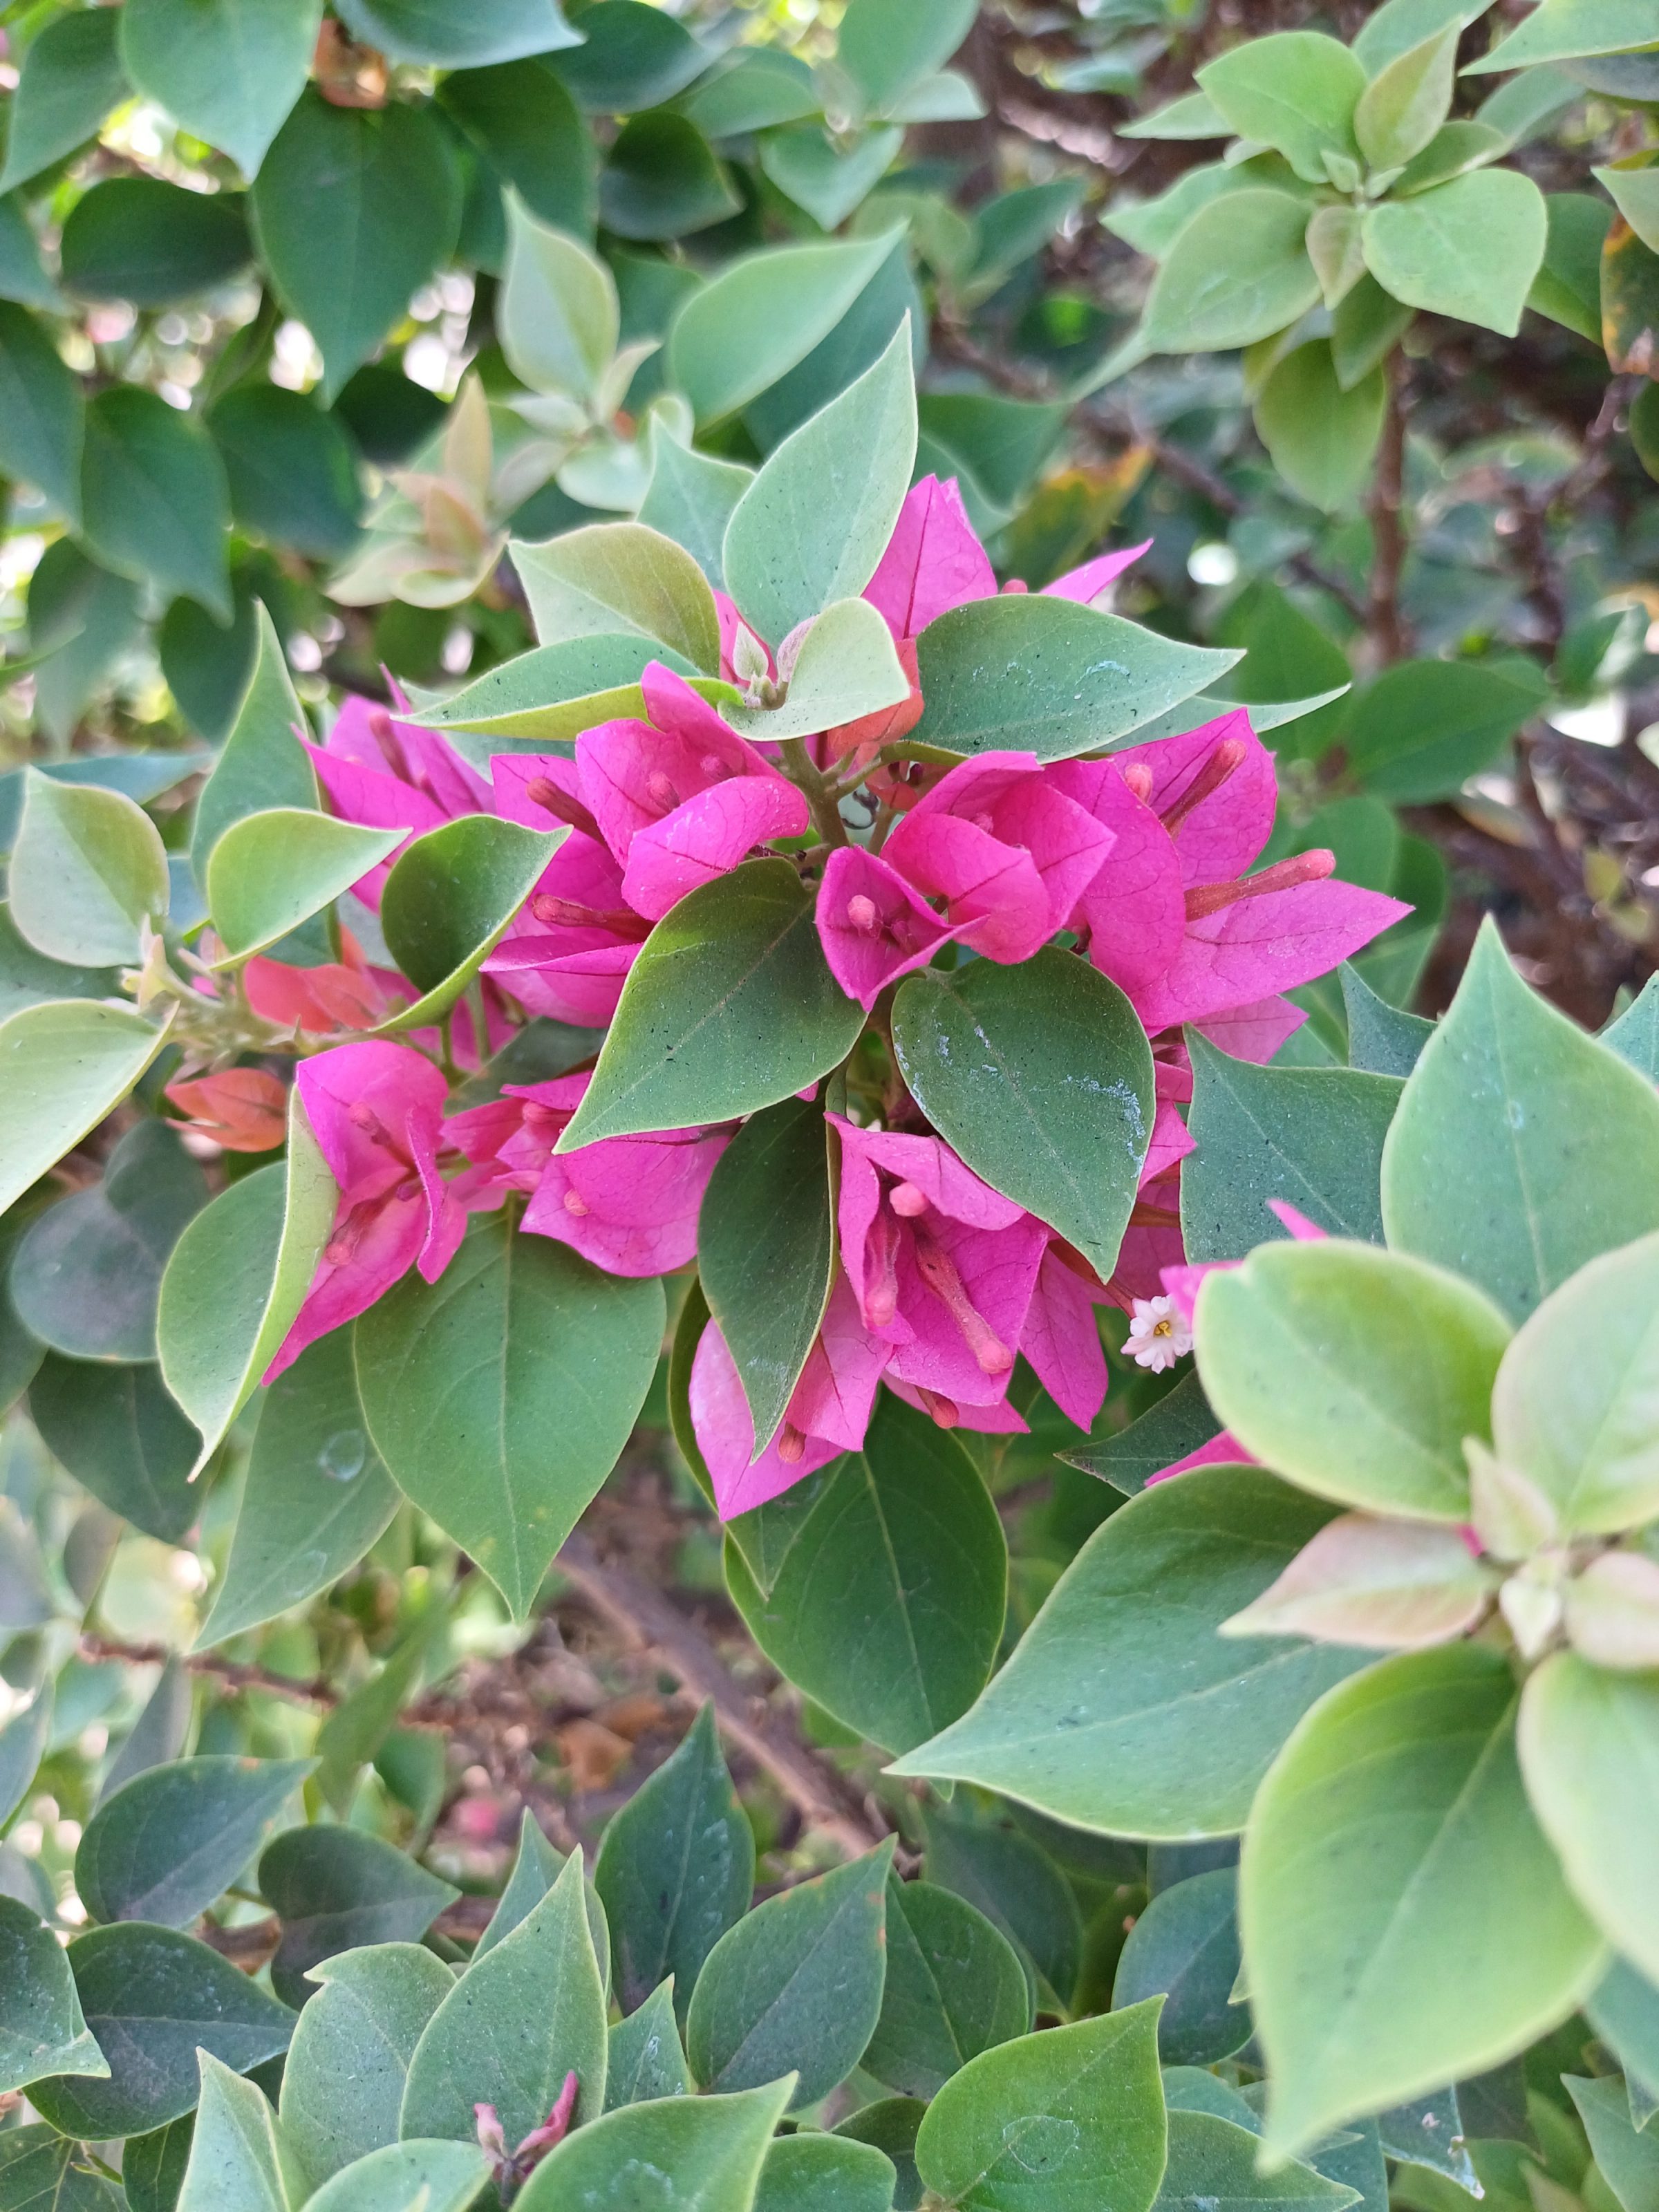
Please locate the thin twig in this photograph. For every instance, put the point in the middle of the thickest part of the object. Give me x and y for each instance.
(232, 1673)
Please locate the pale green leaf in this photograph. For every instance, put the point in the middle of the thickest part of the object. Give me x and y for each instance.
(88, 872)
(272, 871)
(1469, 249)
(620, 579)
(64, 1064)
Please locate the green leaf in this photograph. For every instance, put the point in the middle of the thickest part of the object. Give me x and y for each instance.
(406, 2177)
(1408, 99)
(354, 1732)
(39, 2172)
(1389, 1859)
(41, 417)
(336, 1889)
(1635, 1034)
(272, 871)
(955, 1987)
(71, 78)
(1398, 25)
(1185, 1946)
(343, 2086)
(729, 1008)
(171, 1842)
(234, 2165)
(237, 1278)
(228, 71)
(536, 1868)
(88, 872)
(158, 1734)
(1568, 286)
(1469, 248)
(675, 1869)
(1069, 2121)
(86, 1272)
(1628, 2160)
(1025, 673)
(645, 2059)
(796, 1985)
(903, 1542)
(500, 1396)
(261, 764)
(888, 47)
(808, 167)
(1589, 1750)
(1630, 299)
(754, 89)
(766, 1251)
(813, 524)
(707, 2151)
(1213, 2163)
(315, 1497)
(824, 2174)
(152, 1998)
(621, 579)
(532, 132)
(64, 1065)
(514, 2025)
(1624, 2010)
(1177, 1425)
(139, 239)
(1323, 436)
(1008, 1875)
(153, 501)
(353, 210)
(559, 312)
(1117, 1711)
(1296, 91)
(1521, 1147)
(690, 498)
(552, 695)
(1239, 271)
(846, 667)
(1311, 1137)
(1423, 727)
(449, 900)
(661, 180)
(42, 2031)
(1356, 1373)
(1039, 1075)
(23, 1742)
(1635, 193)
(292, 469)
(430, 30)
(761, 315)
(1570, 30)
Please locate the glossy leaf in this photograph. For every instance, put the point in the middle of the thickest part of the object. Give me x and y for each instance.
(1469, 248)
(1071, 2120)
(729, 1008)
(887, 1605)
(88, 872)
(708, 2151)
(955, 1987)
(42, 2030)
(1390, 1856)
(152, 1998)
(170, 1842)
(500, 1396)
(621, 579)
(675, 1869)
(1039, 1075)
(761, 315)
(229, 71)
(271, 872)
(1356, 1373)
(237, 1278)
(1184, 1947)
(336, 1889)
(342, 2085)
(316, 1494)
(1177, 1423)
(449, 900)
(795, 1987)
(1498, 1163)
(514, 2025)
(644, 2059)
(64, 1064)
(1116, 1711)
(1049, 676)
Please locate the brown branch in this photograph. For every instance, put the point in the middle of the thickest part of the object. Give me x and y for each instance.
(647, 1621)
(232, 1673)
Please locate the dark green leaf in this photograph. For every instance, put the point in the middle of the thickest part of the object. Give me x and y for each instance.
(1423, 728)
(23, 277)
(1049, 676)
(1003, 441)
(1568, 286)
(644, 2059)
(86, 1275)
(674, 1870)
(315, 1497)
(824, 2174)
(39, 2172)
(1212, 2163)
(263, 764)
(766, 1250)
(1521, 1147)
(887, 1605)
(633, 57)
(1185, 1946)
(1178, 1424)
(152, 2165)
(795, 1987)
(1069, 2121)
(527, 124)
(500, 1396)
(1627, 2159)
(138, 238)
(153, 496)
(207, 667)
(1312, 1137)
(336, 1889)
(1039, 1075)
(535, 1870)
(292, 470)
(1624, 2010)
(40, 411)
(23, 1742)
(170, 1842)
(1381, 1039)
(343, 2086)
(728, 1008)
(955, 1987)
(450, 899)
(1019, 1887)
(1118, 1711)
(70, 80)
(154, 1998)
(228, 70)
(158, 1734)
(122, 1438)
(354, 1732)
(41, 2028)
(353, 211)
(486, 31)
(661, 180)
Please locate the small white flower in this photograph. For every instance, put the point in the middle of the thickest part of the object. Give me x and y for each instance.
(1157, 1335)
